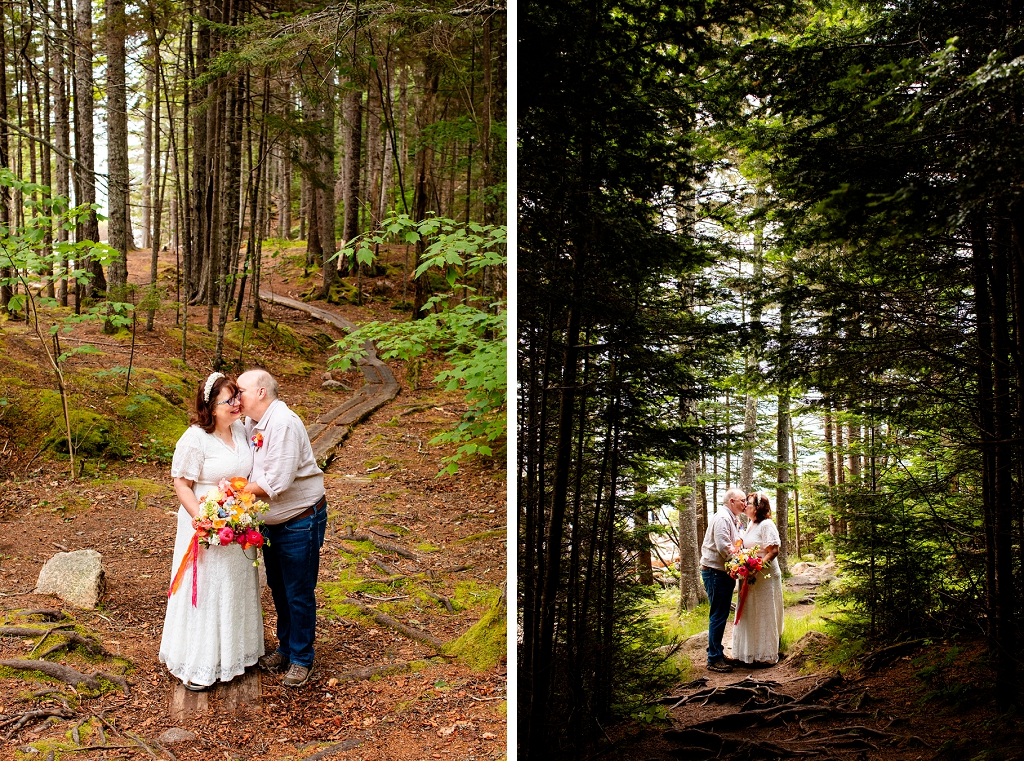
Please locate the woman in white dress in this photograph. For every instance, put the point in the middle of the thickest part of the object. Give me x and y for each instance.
(755, 639)
(223, 633)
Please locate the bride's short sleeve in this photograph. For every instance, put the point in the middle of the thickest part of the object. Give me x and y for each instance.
(770, 533)
(188, 455)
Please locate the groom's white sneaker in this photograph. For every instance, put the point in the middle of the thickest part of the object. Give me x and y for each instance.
(297, 676)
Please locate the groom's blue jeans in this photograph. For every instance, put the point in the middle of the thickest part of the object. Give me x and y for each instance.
(293, 565)
(719, 585)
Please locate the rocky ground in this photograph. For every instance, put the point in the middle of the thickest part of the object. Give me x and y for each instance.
(423, 543)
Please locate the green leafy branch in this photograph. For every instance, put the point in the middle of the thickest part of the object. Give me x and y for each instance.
(471, 333)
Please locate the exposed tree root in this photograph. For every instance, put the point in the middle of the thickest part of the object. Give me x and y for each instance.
(55, 670)
(42, 713)
(384, 545)
(335, 749)
(820, 689)
(56, 615)
(700, 744)
(387, 568)
(765, 716)
(74, 638)
(67, 674)
(385, 620)
(23, 631)
(440, 598)
(886, 655)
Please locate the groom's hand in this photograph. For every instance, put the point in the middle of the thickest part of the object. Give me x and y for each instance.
(256, 489)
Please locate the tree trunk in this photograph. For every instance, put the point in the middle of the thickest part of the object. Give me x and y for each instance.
(117, 152)
(782, 438)
(62, 137)
(147, 152)
(5, 197)
(327, 176)
(353, 161)
(691, 590)
(830, 470)
(424, 171)
(644, 567)
(85, 155)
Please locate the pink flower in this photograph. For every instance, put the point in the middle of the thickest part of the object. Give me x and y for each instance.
(226, 535)
(253, 538)
(742, 571)
(240, 537)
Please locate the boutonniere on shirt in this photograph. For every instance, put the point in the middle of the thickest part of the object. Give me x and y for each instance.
(257, 440)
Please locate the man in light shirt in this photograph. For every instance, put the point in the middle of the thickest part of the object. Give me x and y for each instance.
(719, 540)
(286, 476)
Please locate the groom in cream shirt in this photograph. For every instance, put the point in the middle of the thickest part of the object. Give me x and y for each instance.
(286, 476)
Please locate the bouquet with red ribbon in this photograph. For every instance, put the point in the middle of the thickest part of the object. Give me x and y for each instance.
(227, 515)
(744, 565)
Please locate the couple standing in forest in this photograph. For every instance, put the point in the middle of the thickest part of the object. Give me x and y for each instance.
(215, 633)
(755, 635)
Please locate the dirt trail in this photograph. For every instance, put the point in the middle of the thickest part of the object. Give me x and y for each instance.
(437, 538)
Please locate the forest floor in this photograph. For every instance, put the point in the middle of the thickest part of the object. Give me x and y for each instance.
(382, 485)
(831, 699)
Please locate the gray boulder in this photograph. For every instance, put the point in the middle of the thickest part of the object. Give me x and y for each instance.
(75, 577)
(175, 735)
(333, 384)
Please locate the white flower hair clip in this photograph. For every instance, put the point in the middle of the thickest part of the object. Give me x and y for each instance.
(209, 385)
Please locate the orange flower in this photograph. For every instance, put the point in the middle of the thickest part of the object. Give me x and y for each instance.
(238, 483)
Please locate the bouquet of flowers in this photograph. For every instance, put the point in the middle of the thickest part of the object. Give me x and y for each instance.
(227, 515)
(744, 565)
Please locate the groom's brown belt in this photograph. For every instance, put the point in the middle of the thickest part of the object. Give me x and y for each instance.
(308, 511)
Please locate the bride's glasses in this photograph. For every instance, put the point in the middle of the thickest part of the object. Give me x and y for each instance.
(236, 399)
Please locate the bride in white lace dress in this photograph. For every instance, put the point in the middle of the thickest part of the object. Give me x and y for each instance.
(756, 637)
(223, 633)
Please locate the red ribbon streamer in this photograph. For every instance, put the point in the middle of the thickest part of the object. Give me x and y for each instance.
(743, 599)
(192, 553)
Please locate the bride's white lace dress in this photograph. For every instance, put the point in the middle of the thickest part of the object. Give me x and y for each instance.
(756, 636)
(223, 634)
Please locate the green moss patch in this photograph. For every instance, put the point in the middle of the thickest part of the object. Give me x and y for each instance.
(484, 645)
(471, 594)
(481, 535)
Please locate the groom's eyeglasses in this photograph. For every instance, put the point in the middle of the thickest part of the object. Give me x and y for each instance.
(236, 399)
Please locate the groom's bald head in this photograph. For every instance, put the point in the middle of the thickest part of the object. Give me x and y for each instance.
(735, 500)
(259, 390)
(260, 378)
